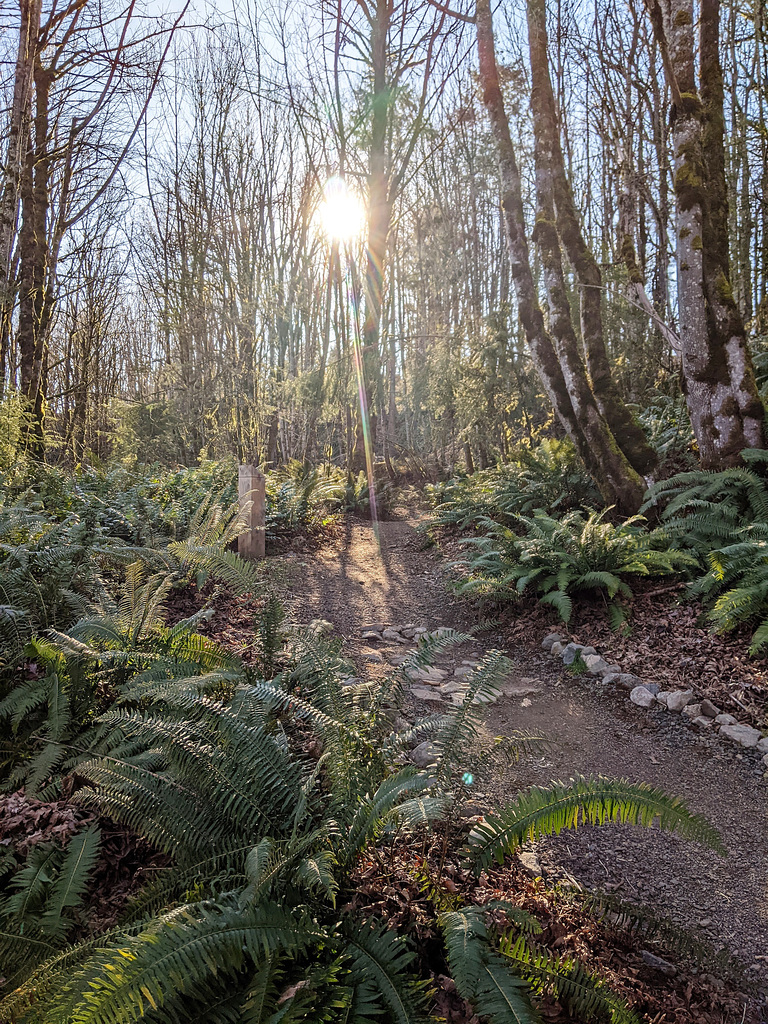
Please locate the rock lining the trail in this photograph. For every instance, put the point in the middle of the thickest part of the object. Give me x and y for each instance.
(704, 715)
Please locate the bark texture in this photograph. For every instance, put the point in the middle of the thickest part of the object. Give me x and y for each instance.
(725, 409)
(554, 180)
(556, 356)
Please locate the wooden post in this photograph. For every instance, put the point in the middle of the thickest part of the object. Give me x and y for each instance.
(251, 488)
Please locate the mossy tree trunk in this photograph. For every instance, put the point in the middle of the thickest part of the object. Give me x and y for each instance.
(726, 412)
(555, 351)
(553, 179)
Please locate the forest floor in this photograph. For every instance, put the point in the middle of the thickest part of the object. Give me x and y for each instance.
(353, 580)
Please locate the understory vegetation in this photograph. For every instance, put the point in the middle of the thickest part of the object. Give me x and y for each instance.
(257, 796)
(537, 528)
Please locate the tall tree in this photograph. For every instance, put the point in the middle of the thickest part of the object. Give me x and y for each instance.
(725, 408)
(555, 351)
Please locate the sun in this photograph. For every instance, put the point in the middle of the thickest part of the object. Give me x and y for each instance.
(341, 213)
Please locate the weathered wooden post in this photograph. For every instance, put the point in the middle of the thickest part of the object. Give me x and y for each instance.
(251, 488)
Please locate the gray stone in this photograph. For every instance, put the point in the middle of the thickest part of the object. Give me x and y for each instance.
(595, 664)
(549, 639)
(373, 627)
(368, 634)
(409, 632)
(653, 687)
(726, 720)
(425, 755)
(642, 696)
(587, 650)
(471, 663)
(486, 698)
(692, 710)
(529, 862)
(703, 722)
(373, 656)
(663, 696)
(658, 964)
(351, 681)
(392, 634)
(709, 709)
(427, 694)
(556, 649)
(401, 724)
(629, 681)
(744, 735)
(765, 760)
(570, 653)
(762, 745)
(678, 699)
(471, 809)
(453, 686)
(612, 670)
(612, 678)
(463, 672)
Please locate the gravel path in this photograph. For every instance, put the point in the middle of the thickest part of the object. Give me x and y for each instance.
(590, 729)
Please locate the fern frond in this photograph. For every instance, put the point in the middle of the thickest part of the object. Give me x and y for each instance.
(543, 811)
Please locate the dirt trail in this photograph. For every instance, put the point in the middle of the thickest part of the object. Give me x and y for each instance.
(590, 729)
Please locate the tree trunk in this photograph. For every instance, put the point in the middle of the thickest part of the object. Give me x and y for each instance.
(18, 139)
(725, 409)
(561, 371)
(625, 429)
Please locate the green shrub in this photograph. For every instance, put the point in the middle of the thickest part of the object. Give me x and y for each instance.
(559, 558)
(252, 920)
(549, 476)
(723, 519)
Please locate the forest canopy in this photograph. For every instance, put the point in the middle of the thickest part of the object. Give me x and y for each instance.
(562, 225)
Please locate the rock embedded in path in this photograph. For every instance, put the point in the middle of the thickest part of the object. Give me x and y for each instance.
(596, 665)
(744, 735)
(549, 639)
(692, 710)
(369, 634)
(370, 655)
(642, 697)
(709, 709)
(762, 745)
(571, 652)
(612, 670)
(452, 686)
(427, 694)
(529, 862)
(392, 634)
(703, 722)
(629, 681)
(678, 699)
(556, 650)
(425, 755)
(658, 963)
(373, 627)
(725, 719)
(587, 650)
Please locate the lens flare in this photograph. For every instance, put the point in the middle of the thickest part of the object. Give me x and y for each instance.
(341, 213)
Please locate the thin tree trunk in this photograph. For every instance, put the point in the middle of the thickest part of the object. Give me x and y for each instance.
(561, 371)
(625, 429)
(18, 139)
(725, 409)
